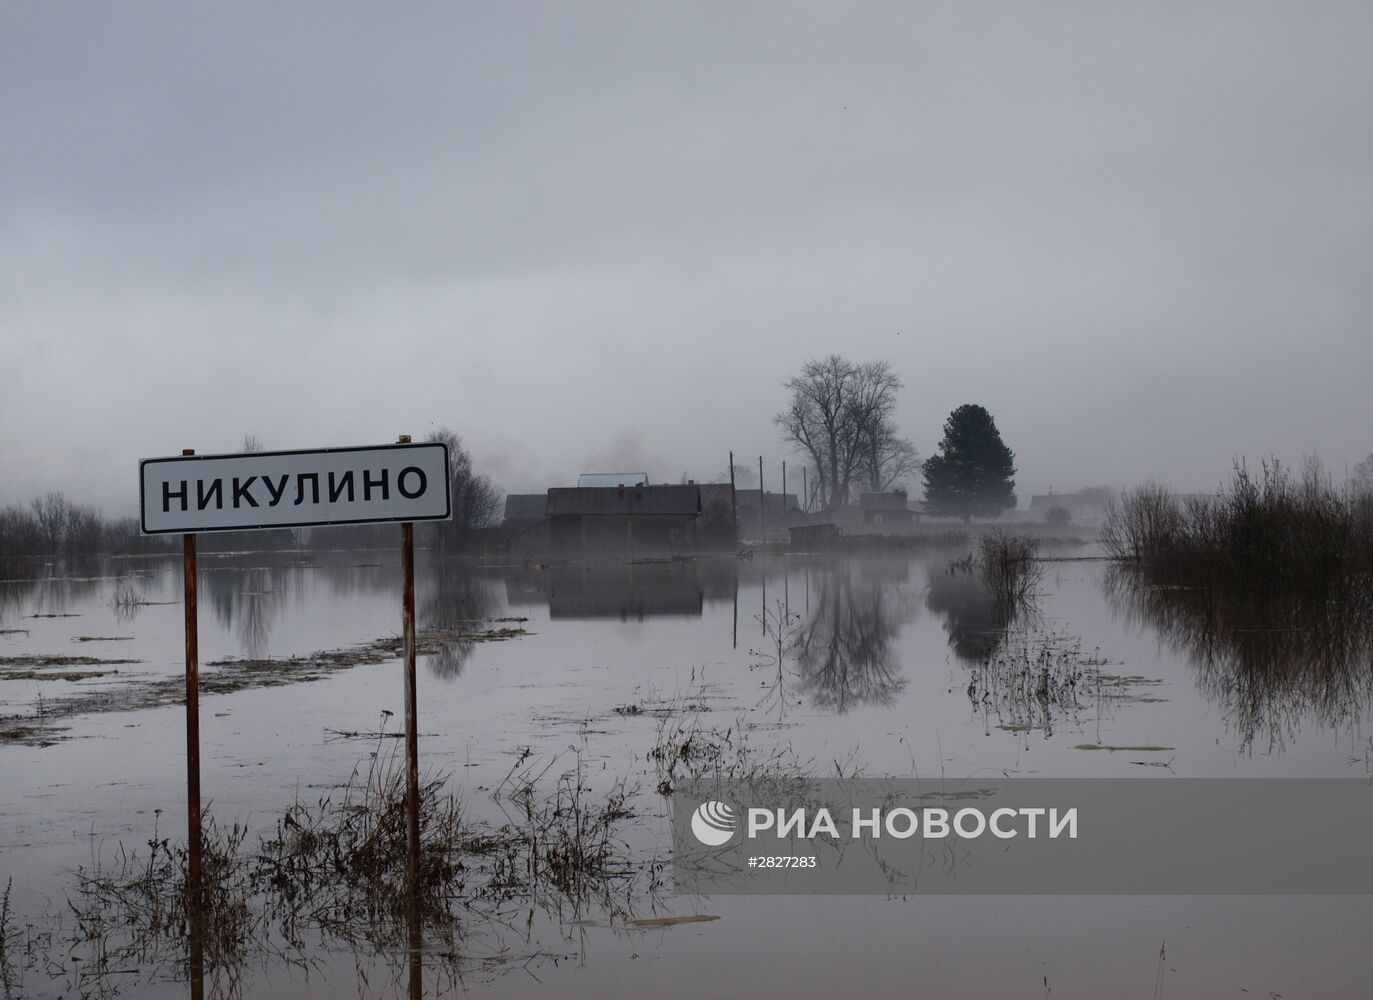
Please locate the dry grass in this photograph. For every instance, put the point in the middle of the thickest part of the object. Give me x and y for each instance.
(1009, 568)
(1034, 679)
(1267, 531)
(9, 970)
(688, 751)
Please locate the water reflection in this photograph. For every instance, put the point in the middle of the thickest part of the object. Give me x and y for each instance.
(452, 596)
(247, 601)
(627, 591)
(1272, 660)
(846, 651)
(974, 620)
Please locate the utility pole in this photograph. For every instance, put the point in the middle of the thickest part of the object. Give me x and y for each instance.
(762, 503)
(733, 505)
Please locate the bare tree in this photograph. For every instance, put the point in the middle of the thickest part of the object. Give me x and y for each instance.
(1362, 477)
(1099, 498)
(52, 511)
(476, 500)
(744, 477)
(840, 417)
(252, 444)
(888, 458)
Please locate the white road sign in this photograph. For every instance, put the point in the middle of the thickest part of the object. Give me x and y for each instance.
(286, 489)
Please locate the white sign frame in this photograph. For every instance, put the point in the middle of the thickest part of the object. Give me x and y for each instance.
(253, 484)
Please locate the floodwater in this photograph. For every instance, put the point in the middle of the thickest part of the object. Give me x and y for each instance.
(885, 670)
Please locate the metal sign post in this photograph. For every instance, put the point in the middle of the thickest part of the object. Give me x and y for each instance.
(188, 574)
(412, 746)
(193, 493)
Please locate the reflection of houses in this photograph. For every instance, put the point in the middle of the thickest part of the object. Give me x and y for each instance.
(623, 516)
(627, 590)
(886, 509)
(523, 510)
(624, 591)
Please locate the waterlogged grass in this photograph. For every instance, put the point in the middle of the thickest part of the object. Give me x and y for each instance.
(1009, 568)
(1265, 531)
(333, 874)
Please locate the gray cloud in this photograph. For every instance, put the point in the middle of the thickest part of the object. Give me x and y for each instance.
(1137, 234)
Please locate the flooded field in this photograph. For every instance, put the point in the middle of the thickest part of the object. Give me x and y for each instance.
(599, 675)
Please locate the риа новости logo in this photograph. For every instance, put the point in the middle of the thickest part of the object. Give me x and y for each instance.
(714, 823)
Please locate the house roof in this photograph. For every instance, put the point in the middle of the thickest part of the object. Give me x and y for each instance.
(891, 499)
(679, 500)
(590, 479)
(524, 506)
(716, 494)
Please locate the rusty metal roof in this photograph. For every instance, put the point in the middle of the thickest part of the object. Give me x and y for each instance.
(660, 500)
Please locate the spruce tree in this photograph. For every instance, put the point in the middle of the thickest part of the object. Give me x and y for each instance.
(973, 473)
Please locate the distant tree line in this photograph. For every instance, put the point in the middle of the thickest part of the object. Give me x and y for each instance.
(52, 527)
(476, 499)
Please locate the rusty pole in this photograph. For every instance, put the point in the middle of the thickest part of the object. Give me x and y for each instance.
(416, 951)
(193, 833)
(412, 747)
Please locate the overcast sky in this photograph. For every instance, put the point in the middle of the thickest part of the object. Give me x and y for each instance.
(588, 235)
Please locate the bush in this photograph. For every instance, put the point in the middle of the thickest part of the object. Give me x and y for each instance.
(1259, 531)
(1009, 568)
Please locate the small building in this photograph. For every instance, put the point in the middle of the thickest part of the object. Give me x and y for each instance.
(717, 514)
(624, 517)
(888, 508)
(595, 480)
(523, 509)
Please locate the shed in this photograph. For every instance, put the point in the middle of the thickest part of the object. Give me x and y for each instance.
(886, 508)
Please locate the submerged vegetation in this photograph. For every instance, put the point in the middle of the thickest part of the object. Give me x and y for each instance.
(333, 873)
(1009, 569)
(1270, 530)
(1031, 678)
(1267, 586)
